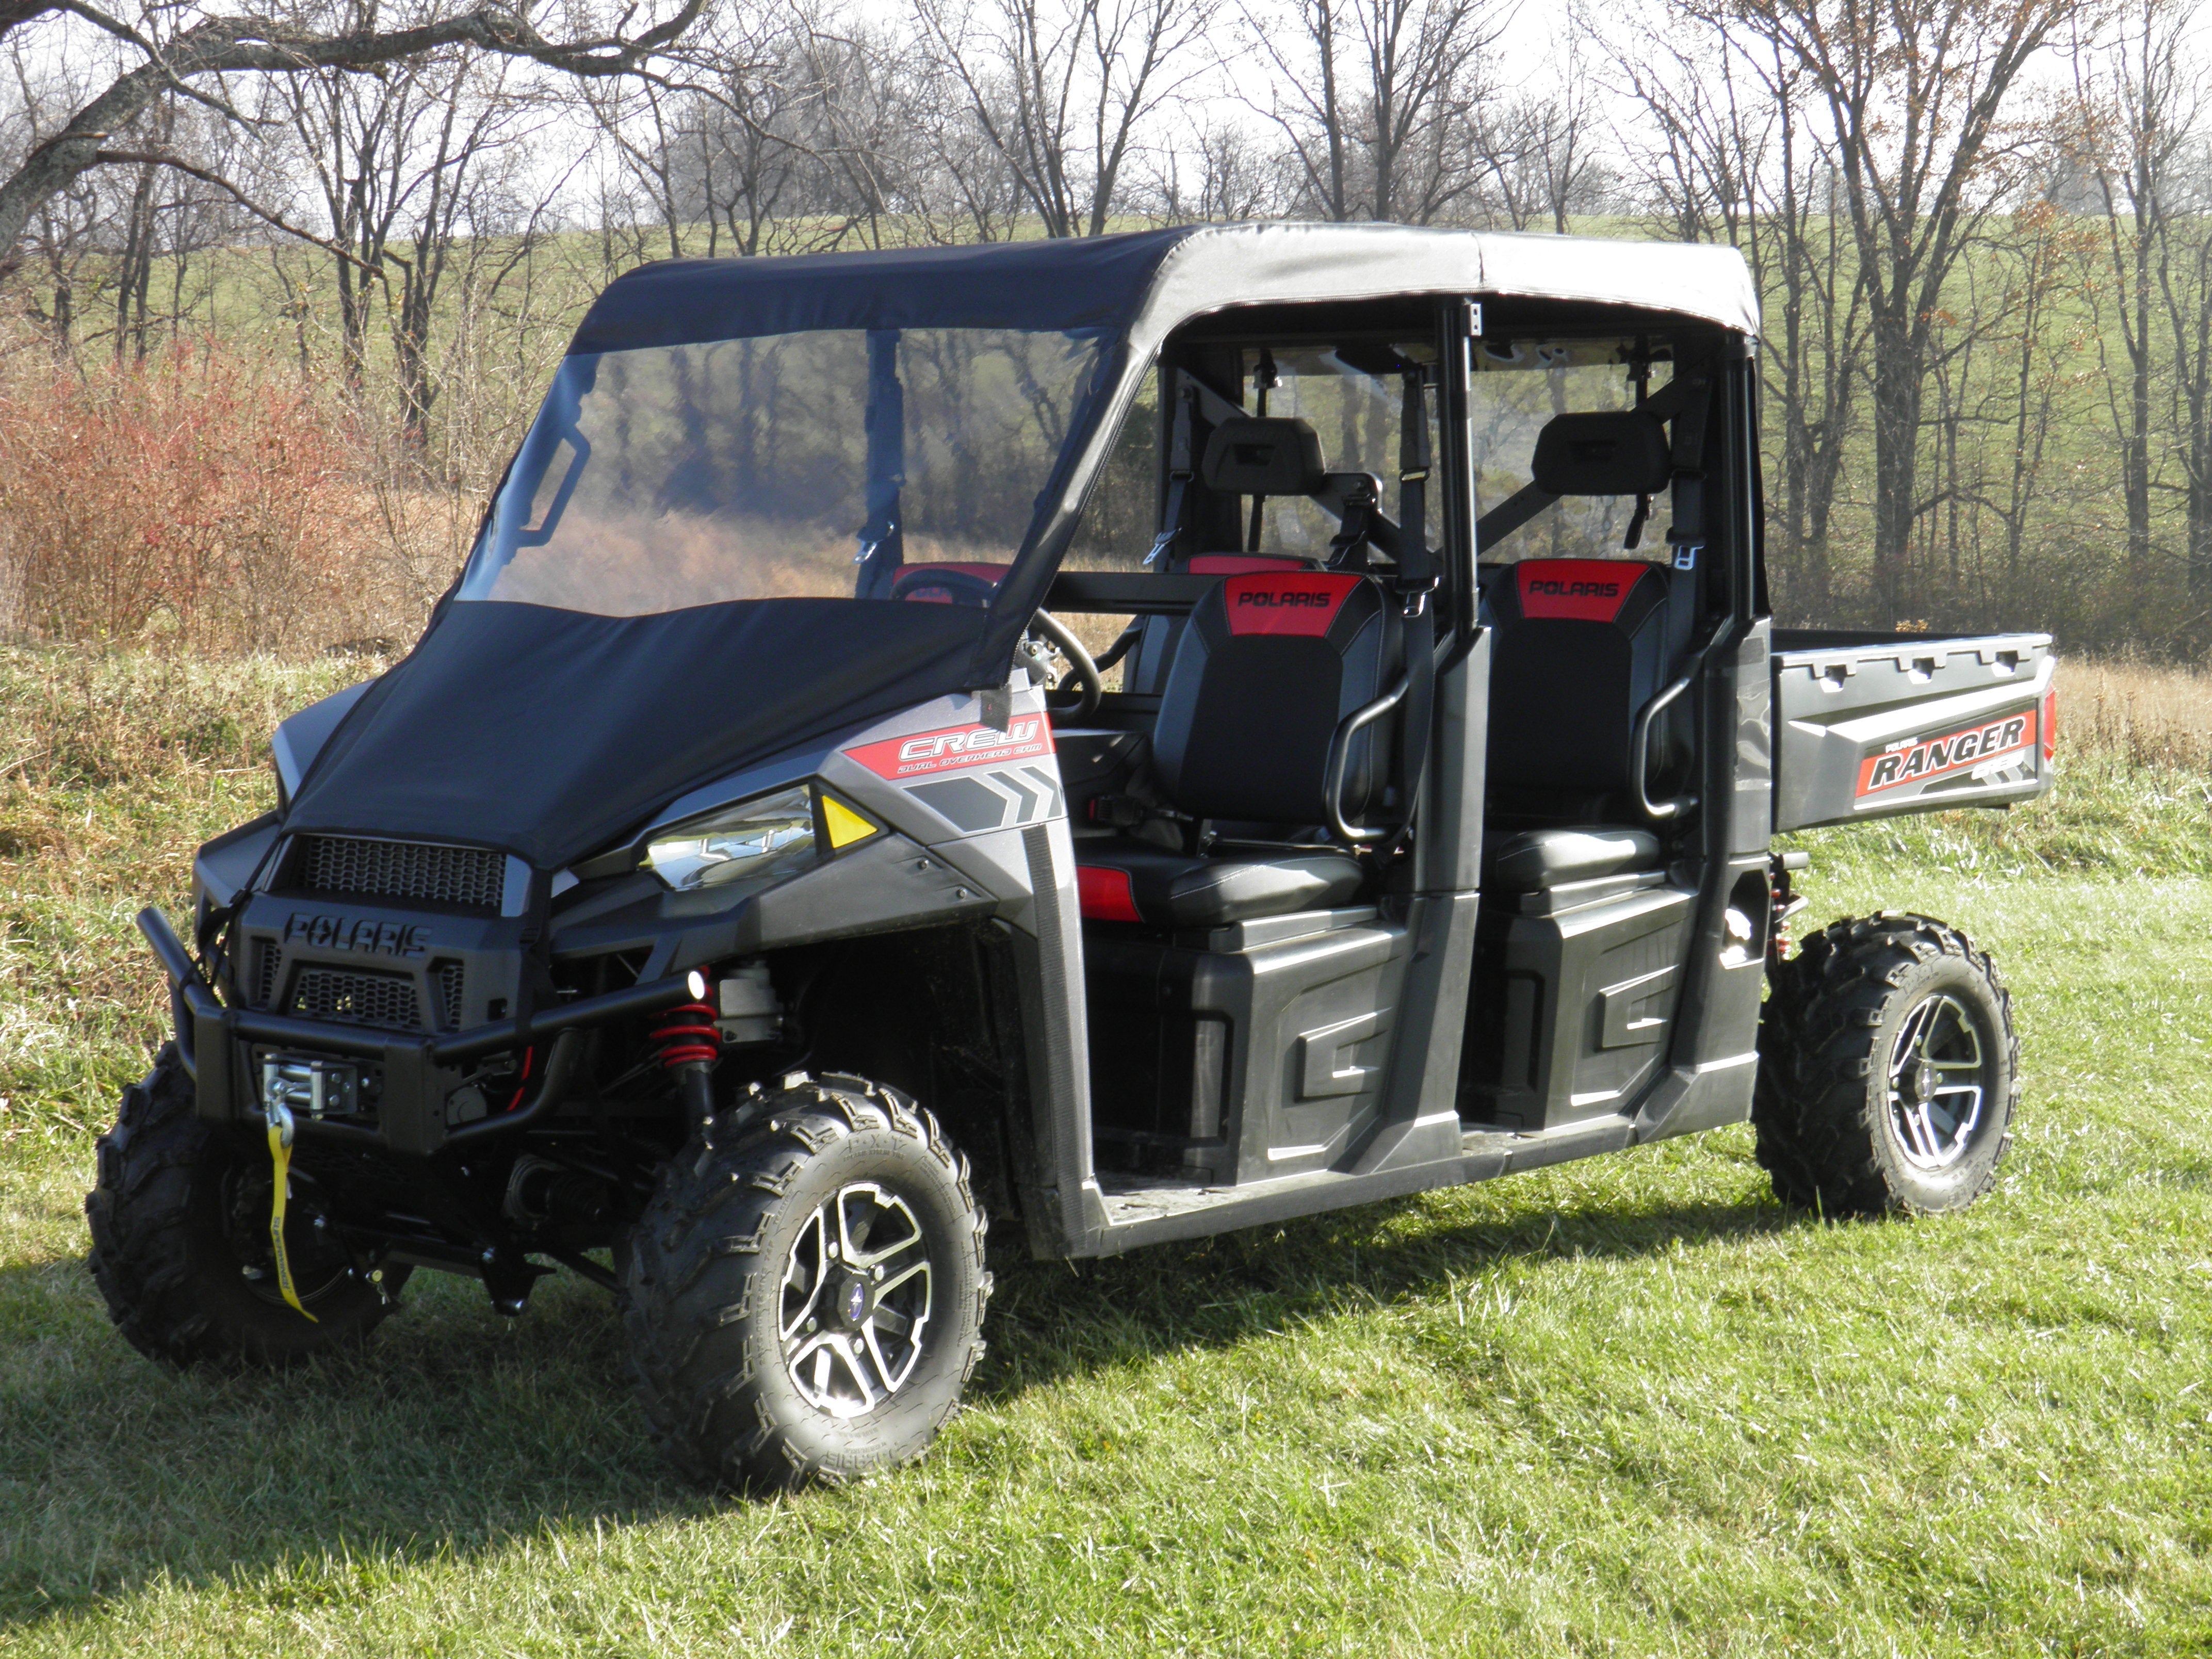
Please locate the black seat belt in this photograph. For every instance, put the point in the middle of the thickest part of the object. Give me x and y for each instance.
(1178, 470)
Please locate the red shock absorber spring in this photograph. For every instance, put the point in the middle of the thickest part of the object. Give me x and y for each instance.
(686, 1035)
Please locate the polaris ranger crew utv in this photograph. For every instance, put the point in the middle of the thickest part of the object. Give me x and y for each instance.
(730, 879)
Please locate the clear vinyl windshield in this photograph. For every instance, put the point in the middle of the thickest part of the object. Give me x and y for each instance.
(884, 463)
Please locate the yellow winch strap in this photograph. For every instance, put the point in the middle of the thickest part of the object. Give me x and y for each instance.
(280, 1157)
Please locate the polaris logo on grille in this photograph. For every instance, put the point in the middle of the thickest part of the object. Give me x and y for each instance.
(328, 932)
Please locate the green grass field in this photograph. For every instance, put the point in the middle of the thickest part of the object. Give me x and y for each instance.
(1628, 1406)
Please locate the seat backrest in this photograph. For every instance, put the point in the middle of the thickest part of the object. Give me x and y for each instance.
(1267, 665)
(1582, 646)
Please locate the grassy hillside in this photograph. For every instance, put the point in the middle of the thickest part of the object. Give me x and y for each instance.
(1625, 1406)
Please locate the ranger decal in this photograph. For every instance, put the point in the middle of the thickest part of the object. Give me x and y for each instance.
(1917, 760)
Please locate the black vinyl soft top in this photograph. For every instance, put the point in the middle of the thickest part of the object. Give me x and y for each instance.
(1149, 281)
(1063, 285)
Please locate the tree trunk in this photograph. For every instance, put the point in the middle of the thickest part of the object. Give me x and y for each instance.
(1898, 387)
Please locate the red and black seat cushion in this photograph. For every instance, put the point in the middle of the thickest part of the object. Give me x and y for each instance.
(1582, 646)
(1268, 667)
(1124, 880)
(1269, 664)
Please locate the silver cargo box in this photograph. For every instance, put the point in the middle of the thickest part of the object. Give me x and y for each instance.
(1872, 725)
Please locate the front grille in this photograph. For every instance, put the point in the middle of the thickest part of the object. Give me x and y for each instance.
(268, 959)
(446, 976)
(366, 999)
(468, 878)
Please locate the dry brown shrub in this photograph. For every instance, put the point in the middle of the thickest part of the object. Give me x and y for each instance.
(2136, 712)
(202, 500)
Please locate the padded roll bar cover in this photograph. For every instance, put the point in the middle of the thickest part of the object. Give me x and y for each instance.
(1263, 455)
(1608, 452)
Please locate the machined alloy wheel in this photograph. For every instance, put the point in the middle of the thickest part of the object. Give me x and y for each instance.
(1938, 1081)
(1888, 1070)
(803, 1295)
(856, 1300)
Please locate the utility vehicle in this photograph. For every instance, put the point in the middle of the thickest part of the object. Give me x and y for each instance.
(1126, 738)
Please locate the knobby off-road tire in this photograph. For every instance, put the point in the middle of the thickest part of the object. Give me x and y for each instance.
(1888, 1070)
(179, 1219)
(804, 1294)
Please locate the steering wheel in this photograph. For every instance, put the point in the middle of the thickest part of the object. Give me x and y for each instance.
(1091, 686)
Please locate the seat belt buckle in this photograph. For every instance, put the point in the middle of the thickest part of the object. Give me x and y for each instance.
(1415, 596)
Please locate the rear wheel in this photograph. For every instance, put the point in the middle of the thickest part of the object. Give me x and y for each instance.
(803, 1297)
(1888, 1070)
(180, 1248)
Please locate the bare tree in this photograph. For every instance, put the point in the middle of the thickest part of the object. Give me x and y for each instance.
(1914, 95)
(1061, 88)
(1227, 174)
(2135, 109)
(189, 52)
(1731, 152)
(1377, 100)
(1541, 154)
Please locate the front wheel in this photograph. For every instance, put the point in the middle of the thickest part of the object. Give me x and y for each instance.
(1888, 1070)
(803, 1297)
(180, 1246)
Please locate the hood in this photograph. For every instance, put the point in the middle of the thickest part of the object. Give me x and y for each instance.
(550, 733)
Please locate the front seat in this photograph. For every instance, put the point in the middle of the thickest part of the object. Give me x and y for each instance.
(1266, 669)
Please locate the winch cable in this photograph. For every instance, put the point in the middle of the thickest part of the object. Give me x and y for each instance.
(279, 1118)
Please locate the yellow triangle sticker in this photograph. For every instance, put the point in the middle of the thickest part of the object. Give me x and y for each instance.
(845, 825)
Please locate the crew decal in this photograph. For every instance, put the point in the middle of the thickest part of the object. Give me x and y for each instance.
(955, 747)
(1917, 760)
(1304, 602)
(1576, 590)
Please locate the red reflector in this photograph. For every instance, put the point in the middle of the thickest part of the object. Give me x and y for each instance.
(1576, 590)
(2051, 722)
(1297, 602)
(1104, 894)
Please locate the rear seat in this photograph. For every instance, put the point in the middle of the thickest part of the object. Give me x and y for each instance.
(1583, 645)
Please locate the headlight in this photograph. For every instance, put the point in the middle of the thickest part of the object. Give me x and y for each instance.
(772, 834)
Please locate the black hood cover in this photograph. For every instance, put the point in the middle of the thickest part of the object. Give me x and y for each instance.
(550, 733)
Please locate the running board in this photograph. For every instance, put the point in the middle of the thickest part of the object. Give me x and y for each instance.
(1141, 1211)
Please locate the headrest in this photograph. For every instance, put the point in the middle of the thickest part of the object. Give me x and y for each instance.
(1263, 455)
(1611, 452)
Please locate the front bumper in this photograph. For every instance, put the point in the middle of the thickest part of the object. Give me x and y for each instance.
(417, 1074)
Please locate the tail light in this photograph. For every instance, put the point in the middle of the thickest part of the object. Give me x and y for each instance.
(2050, 721)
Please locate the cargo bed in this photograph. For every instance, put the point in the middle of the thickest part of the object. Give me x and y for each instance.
(1874, 725)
